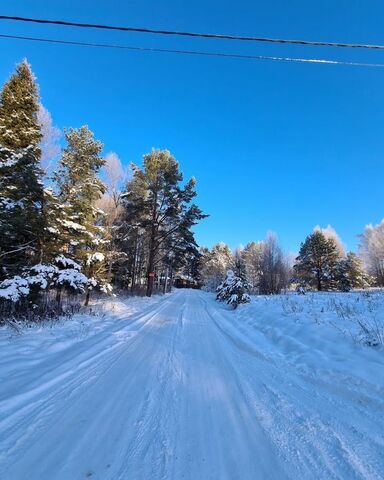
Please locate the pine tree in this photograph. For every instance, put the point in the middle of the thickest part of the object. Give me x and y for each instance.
(79, 189)
(21, 189)
(159, 210)
(351, 273)
(316, 264)
(19, 106)
(239, 261)
(233, 290)
(56, 236)
(21, 220)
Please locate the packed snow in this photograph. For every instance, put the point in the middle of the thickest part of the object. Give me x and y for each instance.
(181, 386)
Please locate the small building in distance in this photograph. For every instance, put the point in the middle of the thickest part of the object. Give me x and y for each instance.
(183, 281)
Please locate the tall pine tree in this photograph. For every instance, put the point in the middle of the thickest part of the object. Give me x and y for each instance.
(19, 106)
(21, 188)
(159, 208)
(317, 262)
(79, 189)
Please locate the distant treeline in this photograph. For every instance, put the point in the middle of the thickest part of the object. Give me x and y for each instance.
(72, 220)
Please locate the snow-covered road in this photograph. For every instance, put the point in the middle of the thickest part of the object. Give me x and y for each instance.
(182, 391)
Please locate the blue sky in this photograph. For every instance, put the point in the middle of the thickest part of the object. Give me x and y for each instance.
(274, 146)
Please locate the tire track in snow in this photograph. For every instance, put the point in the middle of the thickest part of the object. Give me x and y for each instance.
(192, 395)
(309, 438)
(156, 412)
(34, 417)
(219, 437)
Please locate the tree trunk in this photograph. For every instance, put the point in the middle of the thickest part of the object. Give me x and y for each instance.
(58, 296)
(87, 297)
(151, 259)
(319, 286)
(134, 265)
(166, 281)
(149, 286)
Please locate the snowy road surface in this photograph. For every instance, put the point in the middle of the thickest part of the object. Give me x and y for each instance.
(185, 390)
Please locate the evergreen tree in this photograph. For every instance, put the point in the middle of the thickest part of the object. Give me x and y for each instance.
(21, 189)
(21, 219)
(233, 290)
(317, 262)
(351, 273)
(159, 210)
(57, 235)
(239, 261)
(192, 267)
(19, 106)
(79, 189)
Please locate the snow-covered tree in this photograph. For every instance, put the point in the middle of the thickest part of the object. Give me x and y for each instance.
(62, 274)
(68, 277)
(350, 273)
(252, 255)
(21, 218)
(79, 190)
(19, 106)
(330, 233)
(21, 190)
(371, 250)
(317, 262)
(214, 265)
(114, 176)
(239, 262)
(274, 269)
(233, 290)
(50, 141)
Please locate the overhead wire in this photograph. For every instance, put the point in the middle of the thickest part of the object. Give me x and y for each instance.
(217, 36)
(195, 52)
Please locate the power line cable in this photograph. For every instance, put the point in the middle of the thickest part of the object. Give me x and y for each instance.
(192, 34)
(195, 52)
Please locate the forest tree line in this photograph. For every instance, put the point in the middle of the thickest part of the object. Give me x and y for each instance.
(83, 225)
(322, 263)
(73, 220)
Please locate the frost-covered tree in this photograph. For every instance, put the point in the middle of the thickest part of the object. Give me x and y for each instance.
(50, 141)
(79, 190)
(19, 106)
(239, 262)
(21, 189)
(214, 265)
(274, 269)
(330, 233)
(350, 273)
(21, 219)
(371, 250)
(252, 256)
(20, 291)
(57, 234)
(113, 175)
(317, 262)
(233, 290)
